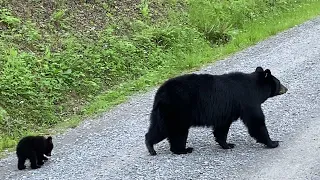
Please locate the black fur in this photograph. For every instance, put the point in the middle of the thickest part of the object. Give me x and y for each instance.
(213, 101)
(33, 148)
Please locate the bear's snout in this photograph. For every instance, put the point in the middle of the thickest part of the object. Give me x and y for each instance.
(283, 89)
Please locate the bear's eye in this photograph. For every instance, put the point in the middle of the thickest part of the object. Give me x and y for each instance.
(275, 86)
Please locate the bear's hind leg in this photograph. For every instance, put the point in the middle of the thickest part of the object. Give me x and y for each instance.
(21, 161)
(151, 138)
(221, 134)
(154, 136)
(178, 142)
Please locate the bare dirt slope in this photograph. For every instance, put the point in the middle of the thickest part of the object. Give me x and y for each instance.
(112, 147)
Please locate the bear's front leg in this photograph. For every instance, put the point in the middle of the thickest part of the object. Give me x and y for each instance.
(40, 159)
(255, 121)
(33, 161)
(263, 137)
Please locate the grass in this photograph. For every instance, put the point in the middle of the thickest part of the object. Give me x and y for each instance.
(54, 77)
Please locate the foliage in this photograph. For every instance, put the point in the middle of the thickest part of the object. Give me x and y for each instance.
(220, 20)
(51, 67)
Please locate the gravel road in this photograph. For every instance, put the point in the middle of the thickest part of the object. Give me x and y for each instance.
(112, 147)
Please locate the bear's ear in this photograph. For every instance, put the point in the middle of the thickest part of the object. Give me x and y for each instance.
(267, 73)
(259, 69)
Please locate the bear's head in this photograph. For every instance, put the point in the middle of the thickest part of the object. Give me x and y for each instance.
(49, 146)
(268, 80)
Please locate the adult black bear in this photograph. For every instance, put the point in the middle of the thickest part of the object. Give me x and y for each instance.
(33, 148)
(211, 100)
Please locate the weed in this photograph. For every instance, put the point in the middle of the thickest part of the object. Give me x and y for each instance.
(7, 18)
(145, 8)
(58, 18)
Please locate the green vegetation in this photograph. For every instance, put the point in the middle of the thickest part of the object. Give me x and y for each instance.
(64, 60)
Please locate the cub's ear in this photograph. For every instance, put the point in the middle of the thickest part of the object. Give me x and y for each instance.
(49, 139)
(267, 73)
(259, 69)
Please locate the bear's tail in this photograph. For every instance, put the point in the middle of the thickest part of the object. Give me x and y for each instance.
(157, 131)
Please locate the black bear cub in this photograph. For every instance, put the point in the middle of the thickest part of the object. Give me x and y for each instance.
(33, 148)
(214, 101)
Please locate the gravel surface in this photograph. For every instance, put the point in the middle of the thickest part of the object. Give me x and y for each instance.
(112, 147)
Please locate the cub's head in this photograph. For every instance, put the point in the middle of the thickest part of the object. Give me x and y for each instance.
(266, 79)
(49, 146)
